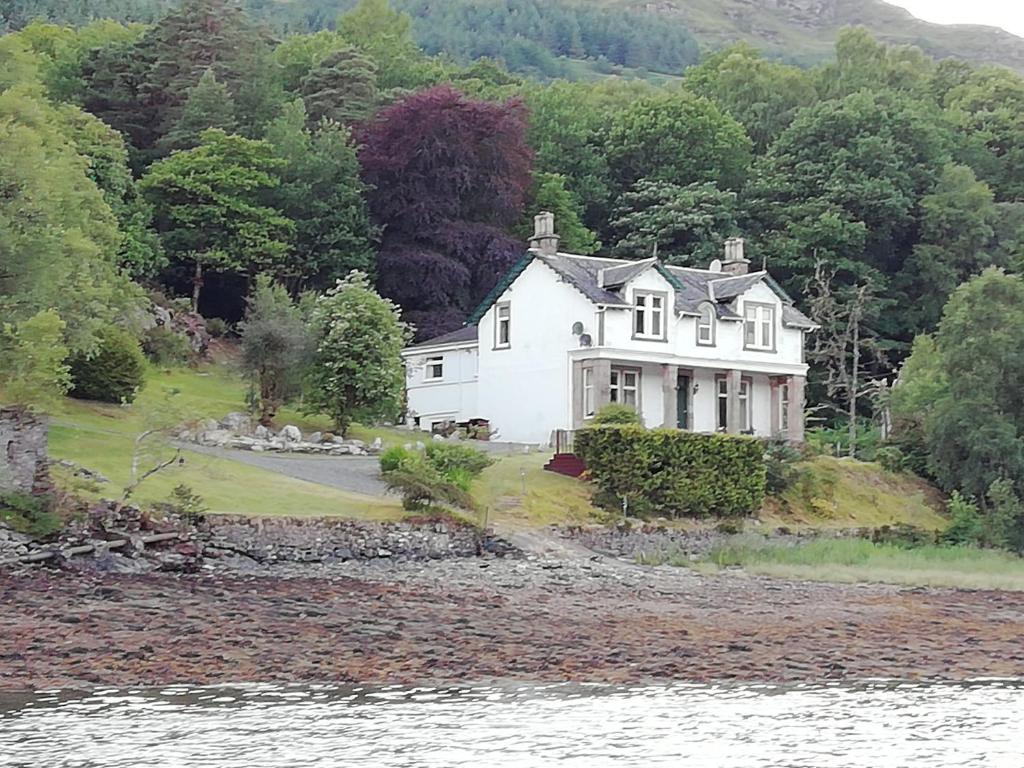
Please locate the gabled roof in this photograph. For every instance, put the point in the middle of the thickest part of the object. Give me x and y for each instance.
(462, 335)
(596, 276)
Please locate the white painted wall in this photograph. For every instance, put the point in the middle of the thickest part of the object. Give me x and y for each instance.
(525, 390)
(453, 398)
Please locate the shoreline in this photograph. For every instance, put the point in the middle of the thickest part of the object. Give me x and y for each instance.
(472, 620)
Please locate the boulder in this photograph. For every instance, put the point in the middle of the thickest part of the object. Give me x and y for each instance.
(291, 434)
(238, 422)
(316, 437)
(377, 445)
(262, 433)
(215, 437)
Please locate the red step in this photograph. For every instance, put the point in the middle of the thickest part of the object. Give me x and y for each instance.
(566, 464)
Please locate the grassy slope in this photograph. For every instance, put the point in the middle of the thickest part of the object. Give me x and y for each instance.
(836, 493)
(100, 437)
(808, 37)
(858, 560)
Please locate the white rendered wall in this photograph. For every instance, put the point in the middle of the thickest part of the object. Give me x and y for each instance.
(524, 391)
(453, 397)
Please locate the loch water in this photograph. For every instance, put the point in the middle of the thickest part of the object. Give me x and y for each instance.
(867, 725)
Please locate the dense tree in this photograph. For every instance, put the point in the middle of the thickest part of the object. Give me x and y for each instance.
(356, 371)
(209, 207)
(342, 87)
(684, 225)
(275, 347)
(764, 96)
(322, 193)
(384, 35)
(208, 105)
(445, 172)
(33, 371)
(675, 137)
(549, 193)
(296, 55)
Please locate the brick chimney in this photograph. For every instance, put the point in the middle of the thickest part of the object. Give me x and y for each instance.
(544, 238)
(735, 263)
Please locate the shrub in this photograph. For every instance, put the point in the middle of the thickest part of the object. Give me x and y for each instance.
(422, 486)
(165, 347)
(891, 458)
(187, 503)
(397, 457)
(672, 473)
(29, 514)
(217, 327)
(965, 525)
(616, 413)
(114, 373)
(447, 458)
(780, 459)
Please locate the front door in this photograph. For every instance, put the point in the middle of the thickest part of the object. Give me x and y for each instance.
(683, 403)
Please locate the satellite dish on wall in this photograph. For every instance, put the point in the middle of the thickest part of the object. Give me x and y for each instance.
(585, 340)
(715, 265)
(577, 328)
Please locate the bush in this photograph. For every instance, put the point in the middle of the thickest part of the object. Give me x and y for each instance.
(966, 525)
(672, 473)
(422, 486)
(187, 503)
(165, 347)
(891, 458)
(114, 373)
(448, 458)
(217, 327)
(396, 458)
(29, 514)
(615, 413)
(780, 459)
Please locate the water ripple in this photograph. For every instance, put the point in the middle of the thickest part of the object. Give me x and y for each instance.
(881, 725)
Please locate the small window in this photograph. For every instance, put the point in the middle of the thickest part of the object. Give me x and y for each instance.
(625, 386)
(434, 369)
(759, 326)
(649, 315)
(588, 393)
(503, 328)
(706, 326)
(722, 394)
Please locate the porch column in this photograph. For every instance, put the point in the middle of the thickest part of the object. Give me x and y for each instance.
(734, 419)
(669, 386)
(796, 409)
(602, 383)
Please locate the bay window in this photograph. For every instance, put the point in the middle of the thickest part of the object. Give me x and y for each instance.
(625, 386)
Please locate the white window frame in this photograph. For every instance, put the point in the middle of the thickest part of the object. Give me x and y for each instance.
(434, 361)
(620, 391)
(784, 408)
(746, 397)
(721, 409)
(759, 326)
(649, 315)
(708, 326)
(588, 393)
(503, 322)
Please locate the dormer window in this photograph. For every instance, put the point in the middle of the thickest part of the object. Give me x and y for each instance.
(648, 315)
(706, 326)
(759, 326)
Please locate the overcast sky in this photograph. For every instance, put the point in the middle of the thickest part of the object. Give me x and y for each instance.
(1008, 14)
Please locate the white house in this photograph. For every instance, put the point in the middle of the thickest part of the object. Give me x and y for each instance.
(716, 349)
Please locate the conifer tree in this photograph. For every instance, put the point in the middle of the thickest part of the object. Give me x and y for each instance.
(209, 105)
(343, 88)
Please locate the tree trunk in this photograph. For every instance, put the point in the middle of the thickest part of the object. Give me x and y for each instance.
(854, 385)
(197, 285)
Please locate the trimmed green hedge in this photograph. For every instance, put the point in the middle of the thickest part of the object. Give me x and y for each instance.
(670, 473)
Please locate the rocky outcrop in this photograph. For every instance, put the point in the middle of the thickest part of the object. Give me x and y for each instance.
(237, 430)
(23, 456)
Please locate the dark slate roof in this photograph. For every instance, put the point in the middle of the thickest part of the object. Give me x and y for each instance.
(692, 286)
(462, 335)
(615, 277)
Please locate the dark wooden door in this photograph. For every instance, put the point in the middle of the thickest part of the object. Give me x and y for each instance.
(683, 403)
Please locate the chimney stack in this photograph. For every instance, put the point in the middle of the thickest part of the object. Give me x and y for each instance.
(544, 238)
(735, 263)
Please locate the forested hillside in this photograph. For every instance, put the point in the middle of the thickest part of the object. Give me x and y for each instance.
(187, 157)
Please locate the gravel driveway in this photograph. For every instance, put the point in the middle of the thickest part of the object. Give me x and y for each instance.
(358, 474)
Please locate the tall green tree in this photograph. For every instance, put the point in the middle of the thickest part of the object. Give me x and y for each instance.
(322, 193)
(356, 372)
(342, 87)
(675, 137)
(209, 208)
(208, 105)
(33, 368)
(549, 193)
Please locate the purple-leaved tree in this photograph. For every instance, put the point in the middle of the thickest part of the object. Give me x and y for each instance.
(448, 176)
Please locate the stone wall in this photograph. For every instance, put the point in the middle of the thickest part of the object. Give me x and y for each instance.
(23, 457)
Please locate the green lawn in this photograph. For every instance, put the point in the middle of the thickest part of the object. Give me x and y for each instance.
(859, 560)
(101, 438)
